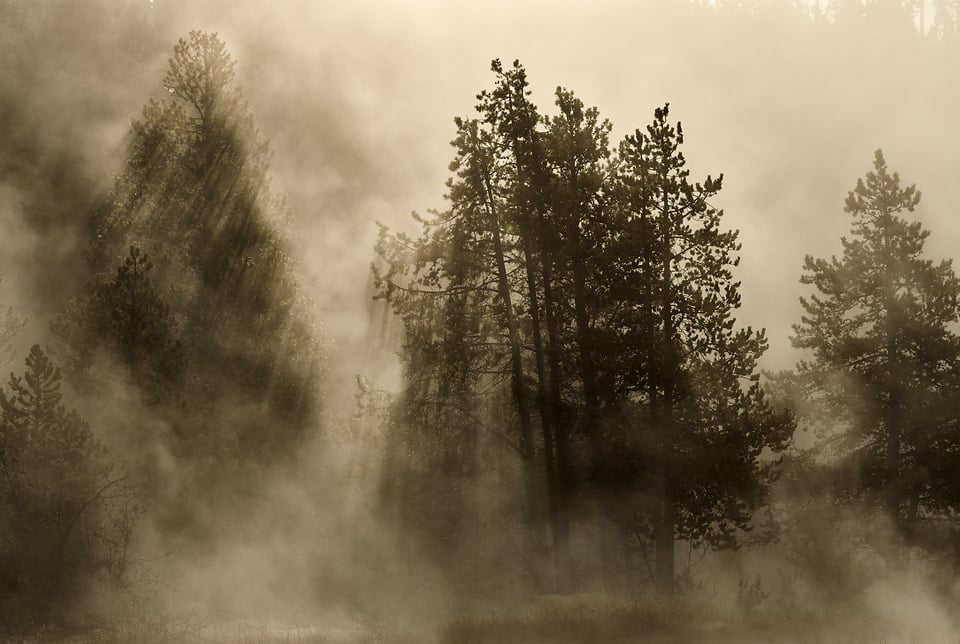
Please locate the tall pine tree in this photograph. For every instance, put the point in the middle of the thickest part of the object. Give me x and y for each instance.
(693, 374)
(195, 198)
(885, 358)
(57, 490)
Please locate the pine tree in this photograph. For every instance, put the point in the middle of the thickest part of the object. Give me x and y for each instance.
(685, 362)
(56, 489)
(577, 150)
(454, 290)
(484, 258)
(127, 316)
(516, 128)
(30, 410)
(195, 196)
(884, 359)
(543, 269)
(140, 319)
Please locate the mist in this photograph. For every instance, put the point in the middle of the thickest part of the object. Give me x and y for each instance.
(278, 454)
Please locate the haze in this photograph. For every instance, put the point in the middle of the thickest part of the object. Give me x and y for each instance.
(788, 100)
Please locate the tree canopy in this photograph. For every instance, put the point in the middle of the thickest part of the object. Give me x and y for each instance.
(884, 357)
(597, 296)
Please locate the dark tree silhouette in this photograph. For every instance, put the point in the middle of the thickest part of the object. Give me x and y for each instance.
(884, 360)
(195, 197)
(550, 262)
(127, 316)
(694, 373)
(57, 490)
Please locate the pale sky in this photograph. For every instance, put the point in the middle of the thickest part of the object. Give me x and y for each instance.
(358, 102)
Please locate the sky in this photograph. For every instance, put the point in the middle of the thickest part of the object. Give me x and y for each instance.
(358, 102)
(788, 110)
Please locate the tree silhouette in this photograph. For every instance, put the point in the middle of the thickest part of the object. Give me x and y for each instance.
(550, 262)
(128, 316)
(195, 198)
(56, 491)
(692, 371)
(884, 356)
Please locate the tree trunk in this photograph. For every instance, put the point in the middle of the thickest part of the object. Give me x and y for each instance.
(503, 287)
(519, 390)
(538, 260)
(564, 468)
(555, 457)
(893, 417)
(666, 545)
(666, 428)
(588, 372)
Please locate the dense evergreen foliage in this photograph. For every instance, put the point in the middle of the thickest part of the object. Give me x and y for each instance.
(695, 374)
(204, 306)
(885, 359)
(194, 317)
(66, 510)
(599, 295)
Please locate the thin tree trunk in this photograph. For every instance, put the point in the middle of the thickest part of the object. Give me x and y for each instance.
(665, 441)
(590, 422)
(564, 467)
(893, 413)
(519, 388)
(536, 256)
(503, 287)
(588, 371)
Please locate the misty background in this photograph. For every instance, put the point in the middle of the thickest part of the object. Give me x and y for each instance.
(788, 100)
(358, 107)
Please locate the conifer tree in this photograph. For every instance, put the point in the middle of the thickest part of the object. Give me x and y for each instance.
(485, 257)
(56, 489)
(884, 357)
(454, 289)
(693, 373)
(550, 268)
(195, 197)
(128, 316)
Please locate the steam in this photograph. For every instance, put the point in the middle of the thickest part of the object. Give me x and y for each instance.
(358, 106)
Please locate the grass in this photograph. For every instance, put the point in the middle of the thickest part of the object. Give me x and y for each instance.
(625, 621)
(548, 620)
